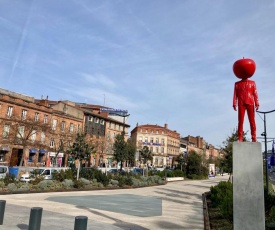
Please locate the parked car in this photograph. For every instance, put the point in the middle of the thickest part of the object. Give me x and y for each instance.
(137, 171)
(4, 170)
(47, 173)
(114, 171)
(25, 178)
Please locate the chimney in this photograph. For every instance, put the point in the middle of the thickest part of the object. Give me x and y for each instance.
(166, 126)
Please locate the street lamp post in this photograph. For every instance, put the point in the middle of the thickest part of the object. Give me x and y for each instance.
(265, 141)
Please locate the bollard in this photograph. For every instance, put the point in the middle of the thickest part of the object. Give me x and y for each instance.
(35, 218)
(2, 211)
(80, 223)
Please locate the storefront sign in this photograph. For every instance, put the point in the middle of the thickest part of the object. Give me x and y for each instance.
(53, 154)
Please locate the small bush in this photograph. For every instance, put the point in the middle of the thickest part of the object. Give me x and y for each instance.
(69, 174)
(222, 197)
(9, 179)
(67, 184)
(12, 187)
(78, 184)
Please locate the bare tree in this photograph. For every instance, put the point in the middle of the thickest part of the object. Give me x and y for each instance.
(61, 142)
(24, 132)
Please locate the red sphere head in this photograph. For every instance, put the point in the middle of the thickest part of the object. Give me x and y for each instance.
(244, 68)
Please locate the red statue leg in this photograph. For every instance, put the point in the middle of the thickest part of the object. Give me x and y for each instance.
(251, 118)
(241, 112)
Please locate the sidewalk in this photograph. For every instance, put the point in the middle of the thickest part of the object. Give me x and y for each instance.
(177, 205)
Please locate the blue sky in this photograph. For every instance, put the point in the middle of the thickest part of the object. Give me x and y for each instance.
(165, 61)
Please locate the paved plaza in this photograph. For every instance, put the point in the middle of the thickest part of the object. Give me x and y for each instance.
(176, 205)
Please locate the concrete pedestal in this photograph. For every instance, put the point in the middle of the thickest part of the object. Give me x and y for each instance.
(248, 187)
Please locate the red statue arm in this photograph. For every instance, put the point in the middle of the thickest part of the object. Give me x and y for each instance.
(256, 99)
(235, 98)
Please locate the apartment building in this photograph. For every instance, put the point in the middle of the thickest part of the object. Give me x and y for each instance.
(162, 142)
(23, 126)
(30, 130)
(66, 123)
(199, 145)
(111, 125)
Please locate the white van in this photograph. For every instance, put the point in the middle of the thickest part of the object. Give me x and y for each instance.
(4, 170)
(47, 173)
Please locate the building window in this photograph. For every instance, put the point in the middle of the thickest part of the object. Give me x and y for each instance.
(152, 131)
(152, 140)
(96, 120)
(9, 113)
(78, 128)
(63, 126)
(146, 131)
(45, 119)
(162, 150)
(36, 116)
(157, 131)
(24, 114)
(33, 135)
(52, 143)
(42, 138)
(102, 122)
(162, 142)
(157, 149)
(54, 124)
(141, 130)
(71, 127)
(20, 133)
(90, 118)
(140, 139)
(6, 131)
(151, 149)
(146, 139)
(157, 140)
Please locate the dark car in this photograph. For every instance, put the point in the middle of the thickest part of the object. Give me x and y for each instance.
(115, 171)
(137, 171)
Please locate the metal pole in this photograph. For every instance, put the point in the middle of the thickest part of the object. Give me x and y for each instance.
(266, 163)
(80, 223)
(35, 218)
(2, 211)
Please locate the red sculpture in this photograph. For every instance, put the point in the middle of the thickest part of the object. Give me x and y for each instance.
(245, 94)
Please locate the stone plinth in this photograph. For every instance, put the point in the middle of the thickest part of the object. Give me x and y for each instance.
(248, 187)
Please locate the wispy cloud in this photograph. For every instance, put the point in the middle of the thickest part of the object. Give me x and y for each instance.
(166, 62)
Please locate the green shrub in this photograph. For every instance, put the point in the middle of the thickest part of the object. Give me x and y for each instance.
(78, 184)
(69, 174)
(179, 173)
(222, 197)
(196, 177)
(67, 184)
(114, 182)
(9, 179)
(36, 180)
(85, 181)
(12, 187)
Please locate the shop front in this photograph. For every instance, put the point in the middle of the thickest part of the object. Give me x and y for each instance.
(55, 159)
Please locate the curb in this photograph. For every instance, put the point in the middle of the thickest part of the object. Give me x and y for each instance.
(205, 213)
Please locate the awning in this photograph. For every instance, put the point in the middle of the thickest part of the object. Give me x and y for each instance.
(32, 150)
(5, 148)
(42, 151)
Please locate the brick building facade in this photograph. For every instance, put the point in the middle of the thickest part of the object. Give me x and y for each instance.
(162, 142)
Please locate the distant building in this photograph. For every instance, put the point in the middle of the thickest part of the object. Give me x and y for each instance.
(199, 145)
(163, 143)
